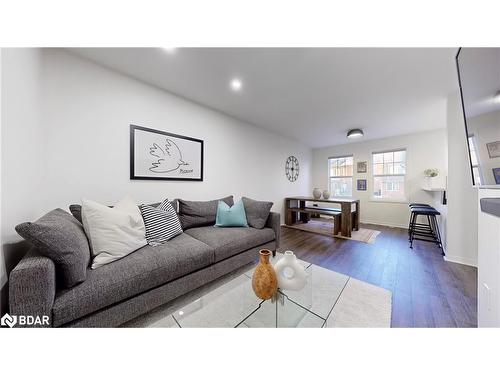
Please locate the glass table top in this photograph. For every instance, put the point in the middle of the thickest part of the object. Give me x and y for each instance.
(234, 304)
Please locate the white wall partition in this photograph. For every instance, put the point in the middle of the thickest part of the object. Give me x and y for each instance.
(488, 277)
(462, 197)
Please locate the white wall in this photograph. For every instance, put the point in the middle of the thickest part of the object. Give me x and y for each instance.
(86, 112)
(3, 273)
(424, 150)
(22, 142)
(22, 138)
(462, 197)
(485, 129)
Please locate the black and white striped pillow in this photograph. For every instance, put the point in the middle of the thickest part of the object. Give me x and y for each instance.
(161, 222)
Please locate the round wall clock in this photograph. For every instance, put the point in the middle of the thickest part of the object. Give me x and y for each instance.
(292, 168)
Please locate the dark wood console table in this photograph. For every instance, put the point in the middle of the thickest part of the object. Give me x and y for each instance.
(296, 209)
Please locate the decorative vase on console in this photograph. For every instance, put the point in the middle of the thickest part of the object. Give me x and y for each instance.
(326, 194)
(291, 274)
(264, 279)
(316, 193)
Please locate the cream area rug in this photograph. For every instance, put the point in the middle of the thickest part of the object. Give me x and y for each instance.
(338, 299)
(324, 226)
(361, 305)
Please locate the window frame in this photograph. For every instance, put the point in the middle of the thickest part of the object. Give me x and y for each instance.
(332, 177)
(405, 180)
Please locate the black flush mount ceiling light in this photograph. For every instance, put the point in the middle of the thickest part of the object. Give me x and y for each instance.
(355, 133)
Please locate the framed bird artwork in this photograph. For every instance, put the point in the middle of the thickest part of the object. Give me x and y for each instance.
(158, 155)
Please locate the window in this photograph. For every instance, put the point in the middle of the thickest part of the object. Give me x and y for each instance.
(389, 174)
(474, 160)
(340, 173)
(393, 186)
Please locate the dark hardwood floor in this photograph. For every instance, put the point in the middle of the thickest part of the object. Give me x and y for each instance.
(426, 290)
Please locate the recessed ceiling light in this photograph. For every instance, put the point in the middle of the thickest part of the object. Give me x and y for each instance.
(170, 50)
(236, 84)
(355, 133)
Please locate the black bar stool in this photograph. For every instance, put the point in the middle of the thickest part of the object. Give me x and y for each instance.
(424, 232)
(411, 205)
(419, 204)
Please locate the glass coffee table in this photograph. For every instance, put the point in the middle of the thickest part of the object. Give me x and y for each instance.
(234, 304)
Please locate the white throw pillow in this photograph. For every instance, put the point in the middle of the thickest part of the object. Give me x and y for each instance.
(113, 232)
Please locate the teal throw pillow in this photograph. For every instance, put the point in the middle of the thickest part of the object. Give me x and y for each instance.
(231, 216)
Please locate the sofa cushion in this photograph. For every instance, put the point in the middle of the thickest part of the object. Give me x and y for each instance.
(231, 216)
(227, 242)
(76, 209)
(113, 232)
(60, 237)
(136, 273)
(200, 213)
(257, 212)
(162, 222)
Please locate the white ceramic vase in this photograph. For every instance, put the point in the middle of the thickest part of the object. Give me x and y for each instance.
(316, 193)
(291, 274)
(428, 182)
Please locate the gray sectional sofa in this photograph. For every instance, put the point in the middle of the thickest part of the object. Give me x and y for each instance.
(149, 277)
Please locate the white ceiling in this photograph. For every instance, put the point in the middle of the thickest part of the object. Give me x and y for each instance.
(311, 94)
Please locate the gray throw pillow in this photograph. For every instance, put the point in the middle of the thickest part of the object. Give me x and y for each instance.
(200, 213)
(257, 212)
(60, 237)
(76, 209)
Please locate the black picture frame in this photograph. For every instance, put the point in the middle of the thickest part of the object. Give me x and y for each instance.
(493, 149)
(361, 167)
(361, 185)
(133, 176)
(496, 175)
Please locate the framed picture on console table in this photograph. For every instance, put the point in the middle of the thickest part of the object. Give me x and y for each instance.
(158, 155)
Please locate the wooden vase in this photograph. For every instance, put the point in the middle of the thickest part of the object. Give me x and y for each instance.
(264, 280)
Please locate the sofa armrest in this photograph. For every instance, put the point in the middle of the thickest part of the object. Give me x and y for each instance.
(32, 286)
(274, 222)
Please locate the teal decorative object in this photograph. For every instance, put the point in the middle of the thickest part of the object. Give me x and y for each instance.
(234, 216)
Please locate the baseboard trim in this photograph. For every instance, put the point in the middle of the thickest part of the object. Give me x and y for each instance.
(460, 260)
(385, 224)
